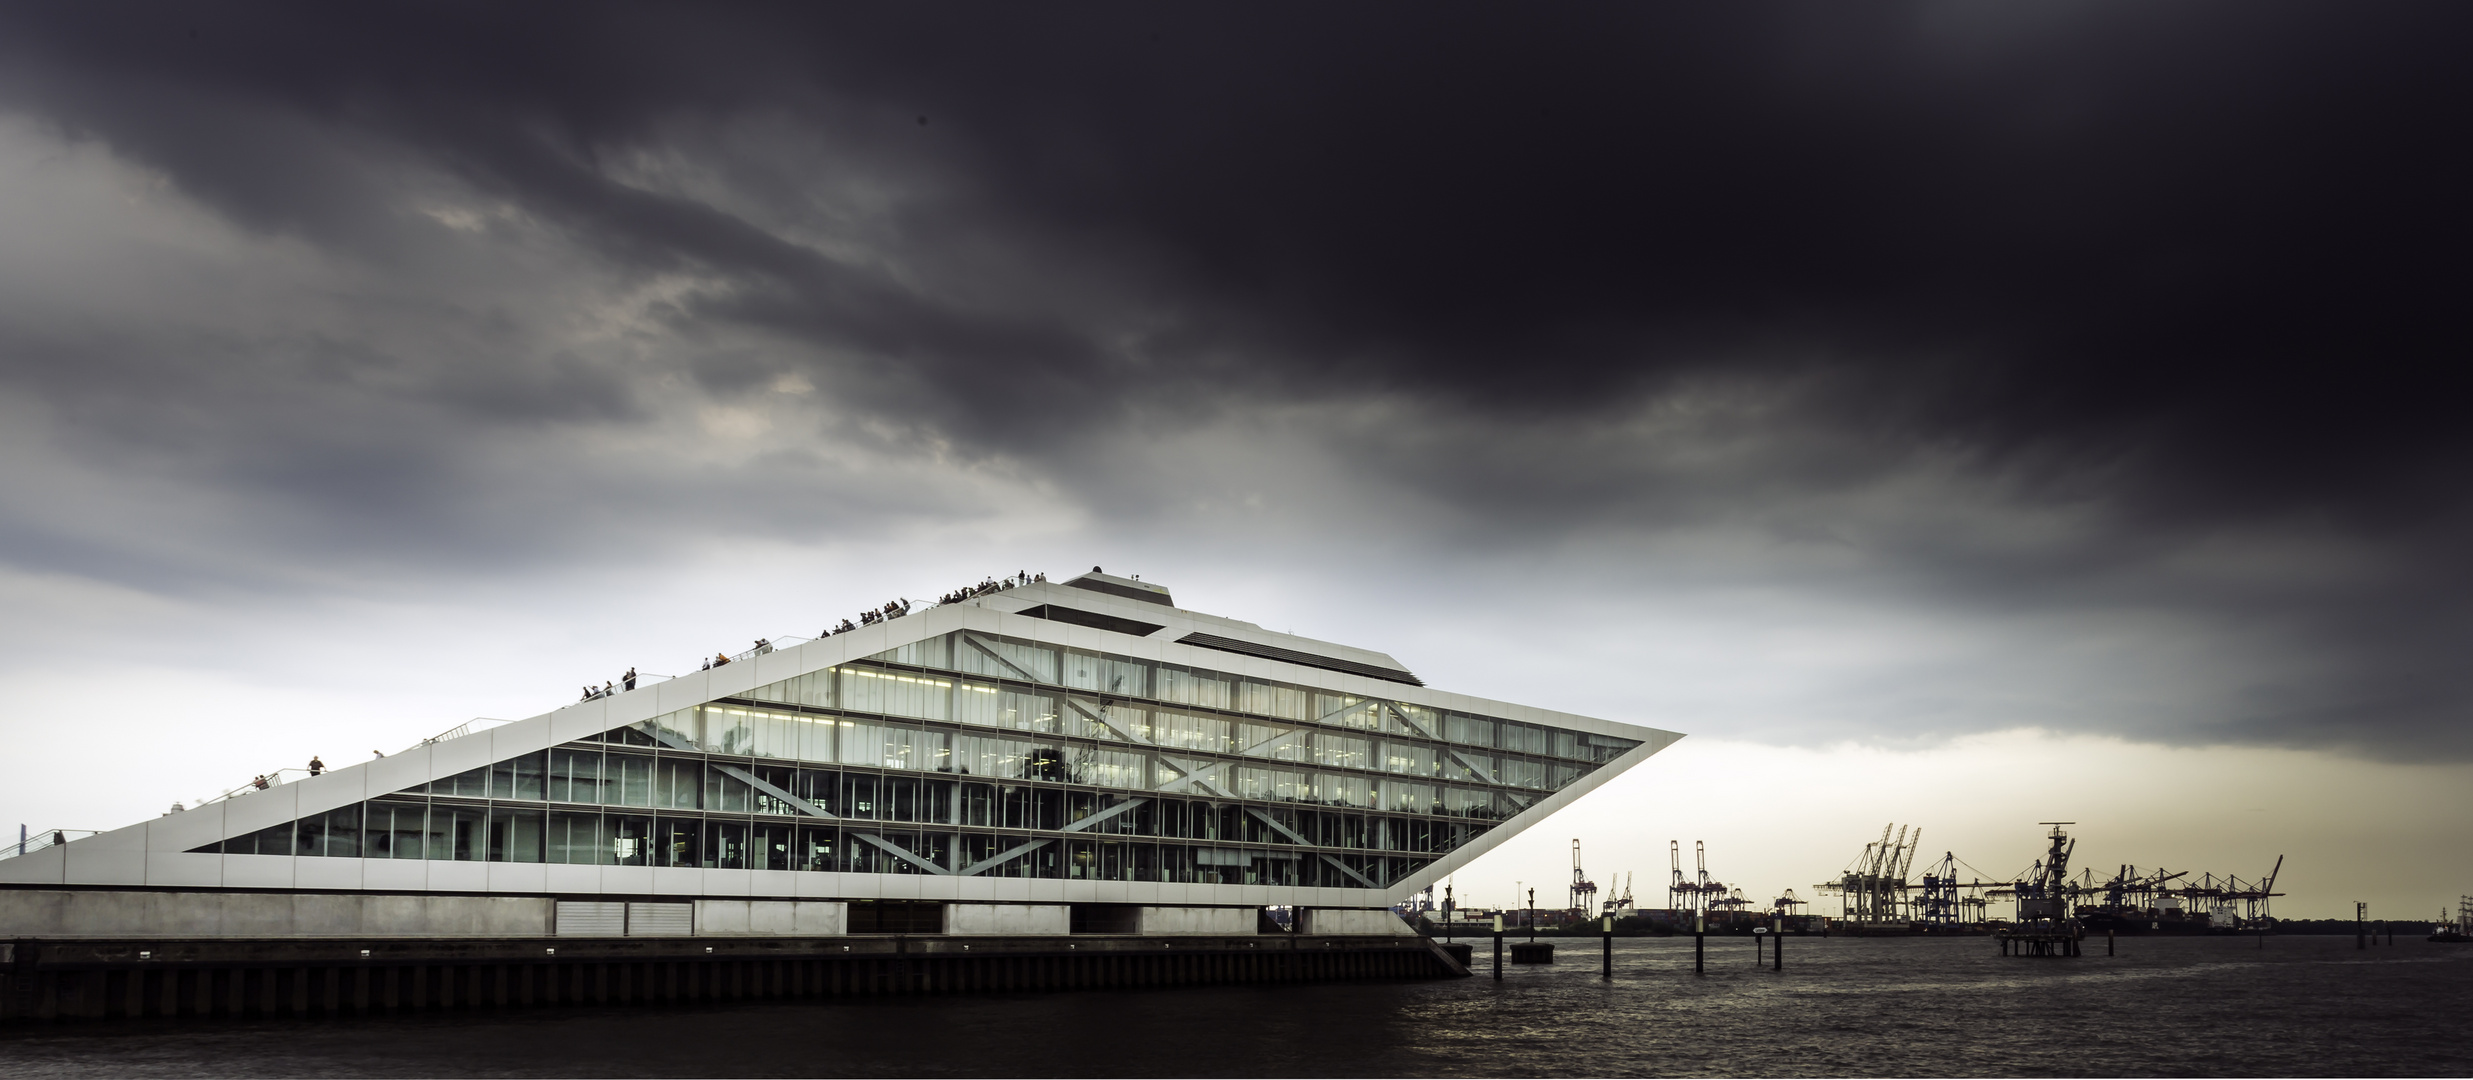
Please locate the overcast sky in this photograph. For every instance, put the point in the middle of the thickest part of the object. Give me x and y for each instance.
(1886, 388)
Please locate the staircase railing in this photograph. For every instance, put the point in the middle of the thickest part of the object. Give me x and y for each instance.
(33, 840)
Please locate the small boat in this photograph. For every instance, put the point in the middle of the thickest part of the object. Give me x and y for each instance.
(2452, 931)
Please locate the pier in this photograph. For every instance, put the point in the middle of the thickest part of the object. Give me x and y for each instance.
(94, 980)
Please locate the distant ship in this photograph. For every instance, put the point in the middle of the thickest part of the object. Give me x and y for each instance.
(2124, 920)
(2454, 933)
(2151, 904)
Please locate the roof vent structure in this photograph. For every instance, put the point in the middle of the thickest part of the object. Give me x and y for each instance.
(1122, 588)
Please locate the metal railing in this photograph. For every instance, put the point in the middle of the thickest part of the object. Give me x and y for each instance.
(282, 776)
(32, 840)
(478, 723)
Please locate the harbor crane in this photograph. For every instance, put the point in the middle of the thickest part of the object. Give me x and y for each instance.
(1583, 891)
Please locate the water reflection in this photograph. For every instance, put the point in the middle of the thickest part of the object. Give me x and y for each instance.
(2300, 1006)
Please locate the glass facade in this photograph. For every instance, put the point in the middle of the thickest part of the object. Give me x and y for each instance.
(981, 755)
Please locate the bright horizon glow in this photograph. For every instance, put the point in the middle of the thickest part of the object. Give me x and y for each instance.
(1780, 817)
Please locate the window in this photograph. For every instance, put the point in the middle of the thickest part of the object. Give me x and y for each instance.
(395, 827)
(343, 832)
(1340, 751)
(629, 780)
(678, 784)
(1468, 730)
(519, 777)
(469, 784)
(725, 845)
(515, 834)
(575, 839)
(725, 792)
(677, 841)
(575, 776)
(458, 833)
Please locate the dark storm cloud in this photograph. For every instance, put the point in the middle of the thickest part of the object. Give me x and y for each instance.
(2196, 266)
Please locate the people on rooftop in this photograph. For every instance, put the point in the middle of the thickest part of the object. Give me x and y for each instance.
(316, 766)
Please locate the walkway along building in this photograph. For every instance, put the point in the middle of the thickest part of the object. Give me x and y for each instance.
(1047, 760)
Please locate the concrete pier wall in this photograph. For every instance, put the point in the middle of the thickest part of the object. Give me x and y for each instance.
(84, 913)
(1354, 921)
(68, 914)
(772, 918)
(95, 980)
(1008, 919)
(1166, 921)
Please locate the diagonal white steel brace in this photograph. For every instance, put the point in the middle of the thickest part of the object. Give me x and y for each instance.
(1484, 774)
(1103, 815)
(1100, 717)
(1291, 834)
(902, 852)
(984, 865)
(1197, 775)
(1326, 717)
(1263, 749)
(754, 781)
(1283, 830)
(992, 654)
(1411, 721)
(1343, 868)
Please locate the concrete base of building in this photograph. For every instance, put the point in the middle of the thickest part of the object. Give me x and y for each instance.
(98, 979)
(205, 915)
(208, 914)
(1355, 921)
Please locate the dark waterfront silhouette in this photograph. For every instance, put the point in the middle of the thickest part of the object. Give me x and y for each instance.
(1844, 1006)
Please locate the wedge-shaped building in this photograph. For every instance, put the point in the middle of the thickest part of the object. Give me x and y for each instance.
(1044, 757)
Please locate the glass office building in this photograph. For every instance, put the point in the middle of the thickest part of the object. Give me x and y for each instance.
(1073, 741)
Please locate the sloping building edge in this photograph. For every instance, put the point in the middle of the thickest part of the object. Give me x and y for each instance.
(157, 853)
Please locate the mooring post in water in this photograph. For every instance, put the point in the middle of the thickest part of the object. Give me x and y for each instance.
(1700, 956)
(2361, 913)
(1777, 946)
(1606, 969)
(2108, 941)
(1498, 946)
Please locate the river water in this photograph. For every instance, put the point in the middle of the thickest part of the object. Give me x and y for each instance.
(1843, 1007)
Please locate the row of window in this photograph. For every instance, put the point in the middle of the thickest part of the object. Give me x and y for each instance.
(1105, 762)
(1045, 809)
(410, 829)
(589, 774)
(1129, 683)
